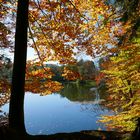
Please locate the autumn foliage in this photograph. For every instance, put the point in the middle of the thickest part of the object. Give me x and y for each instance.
(70, 75)
(38, 79)
(122, 75)
(63, 29)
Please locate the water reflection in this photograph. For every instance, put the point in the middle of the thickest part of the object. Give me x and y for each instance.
(89, 98)
(76, 92)
(75, 108)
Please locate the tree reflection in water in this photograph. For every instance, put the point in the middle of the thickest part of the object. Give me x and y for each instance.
(89, 97)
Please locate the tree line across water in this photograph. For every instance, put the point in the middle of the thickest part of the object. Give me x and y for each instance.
(80, 72)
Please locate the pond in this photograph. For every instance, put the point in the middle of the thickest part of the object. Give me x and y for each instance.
(75, 108)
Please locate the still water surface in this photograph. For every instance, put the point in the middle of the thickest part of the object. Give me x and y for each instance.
(75, 108)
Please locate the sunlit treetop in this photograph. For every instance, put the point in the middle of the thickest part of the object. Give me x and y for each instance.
(61, 29)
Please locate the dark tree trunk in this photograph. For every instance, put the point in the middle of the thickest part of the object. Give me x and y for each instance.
(136, 133)
(130, 90)
(16, 111)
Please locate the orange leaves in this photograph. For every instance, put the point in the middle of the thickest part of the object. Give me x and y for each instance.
(54, 26)
(43, 87)
(99, 77)
(58, 27)
(64, 1)
(37, 71)
(4, 91)
(70, 75)
(38, 79)
(41, 73)
(52, 87)
(4, 86)
(50, 5)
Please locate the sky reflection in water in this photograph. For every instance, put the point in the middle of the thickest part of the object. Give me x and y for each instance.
(55, 113)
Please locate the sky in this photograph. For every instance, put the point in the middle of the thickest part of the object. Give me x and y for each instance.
(32, 55)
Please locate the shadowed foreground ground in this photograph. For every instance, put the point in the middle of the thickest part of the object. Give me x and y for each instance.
(6, 134)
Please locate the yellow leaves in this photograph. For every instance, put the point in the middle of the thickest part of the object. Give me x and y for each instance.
(34, 73)
(122, 121)
(122, 77)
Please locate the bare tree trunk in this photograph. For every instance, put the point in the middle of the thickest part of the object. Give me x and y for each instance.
(16, 111)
